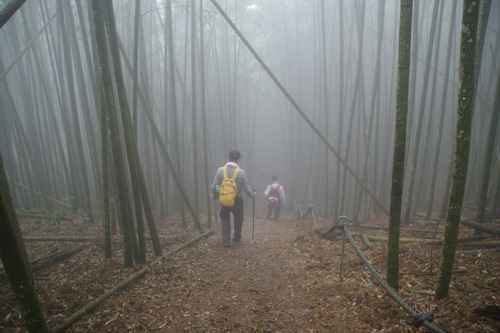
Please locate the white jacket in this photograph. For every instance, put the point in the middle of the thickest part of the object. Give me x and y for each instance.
(281, 191)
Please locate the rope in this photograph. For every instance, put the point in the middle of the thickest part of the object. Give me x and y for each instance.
(301, 215)
(419, 318)
(317, 228)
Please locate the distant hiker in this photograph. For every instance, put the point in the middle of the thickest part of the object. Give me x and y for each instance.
(229, 181)
(275, 194)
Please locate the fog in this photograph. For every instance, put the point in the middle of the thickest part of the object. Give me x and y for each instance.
(208, 94)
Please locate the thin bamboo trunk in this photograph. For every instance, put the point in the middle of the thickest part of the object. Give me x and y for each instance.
(423, 98)
(15, 261)
(464, 110)
(404, 59)
(118, 161)
(430, 202)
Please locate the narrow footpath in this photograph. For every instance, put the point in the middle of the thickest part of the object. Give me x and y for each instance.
(283, 280)
(287, 279)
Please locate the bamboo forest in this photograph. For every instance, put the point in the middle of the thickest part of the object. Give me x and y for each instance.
(250, 165)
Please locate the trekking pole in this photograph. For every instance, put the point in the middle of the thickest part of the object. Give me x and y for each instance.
(216, 196)
(215, 213)
(253, 215)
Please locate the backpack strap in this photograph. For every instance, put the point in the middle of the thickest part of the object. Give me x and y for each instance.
(235, 173)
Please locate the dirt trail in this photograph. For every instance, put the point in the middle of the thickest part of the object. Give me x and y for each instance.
(264, 285)
(286, 280)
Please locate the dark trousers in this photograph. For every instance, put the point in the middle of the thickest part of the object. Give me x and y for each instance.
(225, 212)
(276, 209)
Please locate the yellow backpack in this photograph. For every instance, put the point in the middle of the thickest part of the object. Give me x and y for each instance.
(228, 190)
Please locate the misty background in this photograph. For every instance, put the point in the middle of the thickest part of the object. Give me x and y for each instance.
(337, 59)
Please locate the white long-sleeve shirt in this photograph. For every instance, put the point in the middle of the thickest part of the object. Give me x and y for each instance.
(281, 191)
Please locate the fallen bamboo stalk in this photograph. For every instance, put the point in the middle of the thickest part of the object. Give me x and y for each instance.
(460, 240)
(42, 217)
(425, 219)
(375, 227)
(431, 273)
(401, 240)
(366, 240)
(59, 239)
(33, 211)
(487, 244)
(74, 238)
(26, 188)
(464, 242)
(96, 302)
(482, 227)
(53, 258)
(41, 263)
(495, 249)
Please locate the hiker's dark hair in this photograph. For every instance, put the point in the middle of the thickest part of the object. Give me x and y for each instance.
(234, 155)
(275, 178)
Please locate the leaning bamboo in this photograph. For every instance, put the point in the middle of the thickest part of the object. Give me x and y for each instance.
(15, 260)
(9, 10)
(96, 302)
(24, 187)
(299, 109)
(165, 154)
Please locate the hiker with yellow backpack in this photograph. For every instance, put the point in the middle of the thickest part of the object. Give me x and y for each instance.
(229, 181)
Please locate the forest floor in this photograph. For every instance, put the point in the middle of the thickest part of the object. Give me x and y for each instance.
(286, 279)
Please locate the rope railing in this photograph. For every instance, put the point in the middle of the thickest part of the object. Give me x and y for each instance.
(419, 318)
(300, 214)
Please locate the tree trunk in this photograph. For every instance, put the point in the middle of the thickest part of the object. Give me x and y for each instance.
(9, 10)
(418, 134)
(424, 171)
(375, 96)
(194, 111)
(399, 142)
(131, 141)
(206, 168)
(165, 154)
(464, 113)
(437, 153)
(169, 44)
(15, 261)
(488, 156)
(324, 82)
(118, 162)
(80, 163)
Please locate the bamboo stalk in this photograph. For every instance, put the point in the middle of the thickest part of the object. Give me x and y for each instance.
(24, 187)
(42, 217)
(366, 240)
(482, 227)
(401, 240)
